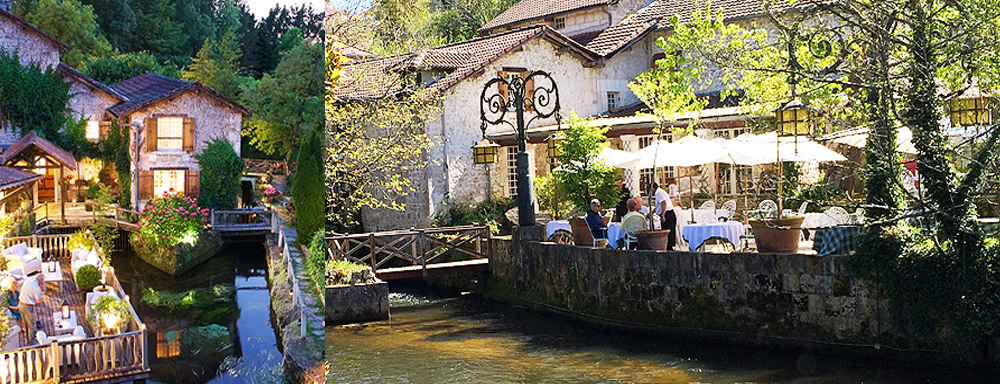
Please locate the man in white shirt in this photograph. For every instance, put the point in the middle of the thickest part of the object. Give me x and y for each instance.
(665, 209)
(31, 295)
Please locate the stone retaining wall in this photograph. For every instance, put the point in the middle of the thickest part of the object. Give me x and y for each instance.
(359, 303)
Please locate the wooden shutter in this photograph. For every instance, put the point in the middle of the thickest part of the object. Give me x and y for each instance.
(145, 185)
(188, 134)
(151, 136)
(105, 130)
(502, 87)
(529, 92)
(192, 181)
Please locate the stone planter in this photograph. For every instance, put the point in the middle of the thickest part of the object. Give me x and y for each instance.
(358, 303)
(772, 236)
(653, 240)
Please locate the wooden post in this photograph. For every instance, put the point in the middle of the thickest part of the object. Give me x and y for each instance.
(274, 221)
(213, 219)
(55, 359)
(489, 244)
(62, 209)
(371, 249)
(423, 253)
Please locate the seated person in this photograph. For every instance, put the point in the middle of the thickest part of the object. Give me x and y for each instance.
(594, 220)
(633, 221)
(640, 208)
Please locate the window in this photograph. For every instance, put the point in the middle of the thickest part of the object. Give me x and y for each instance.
(165, 180)
(511, 172)
(93, 133)
(168, 344)
(169, 133)
(612, 100)
(529, 88)
(559, 23)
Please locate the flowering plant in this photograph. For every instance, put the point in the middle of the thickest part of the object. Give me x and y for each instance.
(172, 219)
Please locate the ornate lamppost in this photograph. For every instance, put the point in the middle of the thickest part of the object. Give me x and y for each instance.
(536, 93)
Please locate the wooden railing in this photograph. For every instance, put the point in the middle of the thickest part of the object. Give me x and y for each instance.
(245, 220)
(262, 166)
(412, 247)
(286, 258)
(116, 216)
(92, 358)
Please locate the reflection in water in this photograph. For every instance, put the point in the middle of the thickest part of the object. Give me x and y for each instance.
(431, 339)
(220, 332)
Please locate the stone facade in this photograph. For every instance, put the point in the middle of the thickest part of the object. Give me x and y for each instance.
(31, 47)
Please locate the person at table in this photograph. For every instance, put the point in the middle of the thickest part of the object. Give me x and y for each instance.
(633, 221)
(622, 208)
(644, 210)
(665, 209)
(13, 299)
(596, 223)
(31, 295)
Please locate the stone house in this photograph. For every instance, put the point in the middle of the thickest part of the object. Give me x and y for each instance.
(168, 120)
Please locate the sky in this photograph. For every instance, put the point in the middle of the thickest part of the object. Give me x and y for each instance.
(259, 8)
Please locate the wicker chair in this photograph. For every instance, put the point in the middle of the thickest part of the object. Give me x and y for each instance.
(582, 234)
(629, 237)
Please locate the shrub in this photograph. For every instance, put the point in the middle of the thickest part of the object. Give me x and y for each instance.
(581, 175)
(80, 240)
(92, 191)
(88, 277)
(309, 191)
(221, 170)
(110, 313)
(488, 212)
(340, 272)
(550, 197)
(172, 219)
(316, 263)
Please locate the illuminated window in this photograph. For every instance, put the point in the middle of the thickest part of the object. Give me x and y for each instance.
(169, 133)
(93, 130)
(165, 180)
(612, 100)
(168, 344)
(966, 112)
(560, 23)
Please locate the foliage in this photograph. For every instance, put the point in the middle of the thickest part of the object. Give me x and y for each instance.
(193, 299)
(116, 21)
(32, 99)
(816, 194)
(87, 277)
(487, 212)
(373, 145)
(171, 219)
(217, 65)
(177, 259)
(80, 240)
(308, 192)
(340, 272)
(221, 171)
(110, 313)
(550, 197)
(316, 261)
(74, 24)
(288, 103)
(123, 66)
(105, 233)
(581, 175)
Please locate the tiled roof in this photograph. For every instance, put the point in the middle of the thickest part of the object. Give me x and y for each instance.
(12, 177)
(24, 24)
(658, 12)
(150, 88)
(31, 139)
(458, 61)
(526, 10)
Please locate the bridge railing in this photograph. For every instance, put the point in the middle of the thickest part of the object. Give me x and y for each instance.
(410, 247)
(46, 215)
(286, 257)
(245, 220)
(86, 360)
(262, 166)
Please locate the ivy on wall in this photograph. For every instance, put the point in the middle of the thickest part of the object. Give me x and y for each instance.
(32, 99)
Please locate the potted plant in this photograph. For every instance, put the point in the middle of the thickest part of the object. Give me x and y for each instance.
(775, 233)
(87, 277)
(656, 240)
(80, 241)
(110, 315)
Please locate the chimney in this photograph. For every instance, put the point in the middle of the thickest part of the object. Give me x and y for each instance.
(5, 5)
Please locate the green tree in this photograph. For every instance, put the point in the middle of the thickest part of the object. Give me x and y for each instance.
(120, 67)
(581, 175)
(288, 103)
(74, 24)
(307, 194)
(116, 20)
(217, 66)
(196, 18)
(32, 99)
(221, 171)
(157, 30)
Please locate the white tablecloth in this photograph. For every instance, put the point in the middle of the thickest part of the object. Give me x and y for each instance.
(614, 233)
(555, 225)
(614, 230)
(684, 216)
(695, 234)
(818, 220)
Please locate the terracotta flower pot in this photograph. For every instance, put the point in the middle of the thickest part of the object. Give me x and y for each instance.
(654, 240)
(772, 236)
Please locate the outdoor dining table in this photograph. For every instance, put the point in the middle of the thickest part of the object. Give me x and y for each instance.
(839, 240)
(695, 234)
(614, 230)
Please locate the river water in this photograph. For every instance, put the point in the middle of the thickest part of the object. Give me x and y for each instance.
(441, 338)
(228, 340)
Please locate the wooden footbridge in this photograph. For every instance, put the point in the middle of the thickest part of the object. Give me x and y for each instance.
(416, 253)
(226, 223)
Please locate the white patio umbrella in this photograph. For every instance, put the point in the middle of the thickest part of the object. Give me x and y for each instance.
(859, 138)
(767, 148)
(619, 159)
(688, 151)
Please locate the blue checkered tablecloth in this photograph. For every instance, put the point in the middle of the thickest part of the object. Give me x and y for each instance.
(839, 240)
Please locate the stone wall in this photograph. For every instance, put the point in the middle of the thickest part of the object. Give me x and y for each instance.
(798, 298)
(31, 47)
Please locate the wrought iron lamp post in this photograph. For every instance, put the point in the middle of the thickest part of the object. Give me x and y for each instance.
(535, 92)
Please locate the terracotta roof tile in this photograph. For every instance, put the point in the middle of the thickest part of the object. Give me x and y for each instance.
(150, 88)
(33, 140)
(12, 177)
(526, 10)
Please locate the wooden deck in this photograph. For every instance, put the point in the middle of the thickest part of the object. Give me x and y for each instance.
(55, 293)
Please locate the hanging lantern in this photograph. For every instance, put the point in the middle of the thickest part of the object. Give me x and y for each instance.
(554, 142)
(65, 309)
(969, 112)
(792, 119)
(485, 152)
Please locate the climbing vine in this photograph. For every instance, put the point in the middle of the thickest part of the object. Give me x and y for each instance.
(32, 99)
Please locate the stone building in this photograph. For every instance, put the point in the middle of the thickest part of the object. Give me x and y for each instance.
(168, 120)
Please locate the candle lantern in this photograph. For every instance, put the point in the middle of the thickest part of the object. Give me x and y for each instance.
(65, 309)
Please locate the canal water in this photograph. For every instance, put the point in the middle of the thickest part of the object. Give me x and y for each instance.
(210, 325)
(441, 338)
